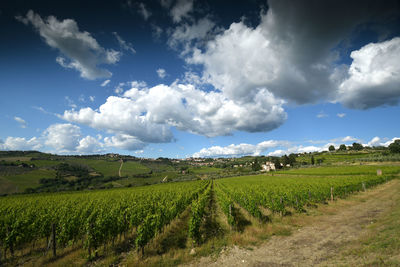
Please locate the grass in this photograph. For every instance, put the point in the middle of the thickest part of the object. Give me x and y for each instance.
(111, 168)
(336, 157)
(16, 158)
(18, 183)
(344, 170)
(380, 245)
(132, 168)
(44, 163)
(204, 170)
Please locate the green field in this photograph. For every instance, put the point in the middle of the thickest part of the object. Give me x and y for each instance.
(142, 214)
(343, 170)
(204, 170)
(337, 157)
(18, 183)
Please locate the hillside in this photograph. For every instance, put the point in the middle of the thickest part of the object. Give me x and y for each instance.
(33, 171)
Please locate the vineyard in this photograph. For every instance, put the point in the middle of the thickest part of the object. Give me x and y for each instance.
(97, 220)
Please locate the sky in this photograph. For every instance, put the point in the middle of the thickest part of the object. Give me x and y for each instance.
(183, 78)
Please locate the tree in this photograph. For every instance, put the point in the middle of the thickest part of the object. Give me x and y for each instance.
(292, 159)
(285, 160)
(331, 148)
(342, 147)
(395, 146)
(312, 160)
(277, 163)
(357, 146)
(256, 166)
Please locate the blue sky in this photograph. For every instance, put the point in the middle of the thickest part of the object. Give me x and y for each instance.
(180, 78)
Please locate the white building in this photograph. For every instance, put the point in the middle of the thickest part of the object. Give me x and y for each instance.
(268, 166)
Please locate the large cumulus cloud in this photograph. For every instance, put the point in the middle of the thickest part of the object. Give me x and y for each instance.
(294, 52)
(373, 77)
(148, 113)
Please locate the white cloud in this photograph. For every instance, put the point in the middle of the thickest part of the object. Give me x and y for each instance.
(321, 115)
(148, 113)
(238, 150)
(121, 115)
(81, 98)
(285, 147)
(298, 149)
(144, 11)
(373, 77)
(156, 31)
(123, 44)
(161, 73)
(166, 3)
(89, 145)
(70, 102)
(248, 149)
(22, 122)
(20, 143)
(387, 143)
(92, 98)
(341, 115)
(67, 138)
(377, 141)
(63, 137)
(349, 139)
(105, 83)
(124, 141)
(83, 51)
(181, 10)
(119, 89)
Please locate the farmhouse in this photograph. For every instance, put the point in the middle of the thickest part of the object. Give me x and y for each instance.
(268, 166)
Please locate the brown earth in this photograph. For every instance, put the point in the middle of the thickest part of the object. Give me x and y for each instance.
(319, 238)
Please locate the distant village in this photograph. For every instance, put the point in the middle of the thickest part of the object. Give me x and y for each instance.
(262, 166)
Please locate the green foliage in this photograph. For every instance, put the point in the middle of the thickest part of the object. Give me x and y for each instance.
(277, 163)
(10, 184)
(331, 148)
(277, 192)
(95, 217)
(292, 159)
(395, 146)
(357, 146)
(196, 218)
(342, 147)
(256, 166)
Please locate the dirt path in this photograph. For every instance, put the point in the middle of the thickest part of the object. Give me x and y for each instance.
(316, 243)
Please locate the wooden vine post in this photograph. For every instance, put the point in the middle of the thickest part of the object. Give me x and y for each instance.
(331, 193)
(363, 186)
